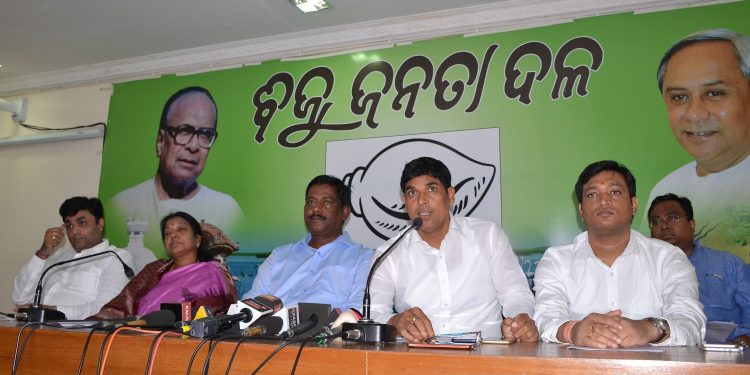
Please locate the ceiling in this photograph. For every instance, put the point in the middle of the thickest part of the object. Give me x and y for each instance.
(48, 44)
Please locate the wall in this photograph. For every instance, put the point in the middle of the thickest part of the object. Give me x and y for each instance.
(37, 177)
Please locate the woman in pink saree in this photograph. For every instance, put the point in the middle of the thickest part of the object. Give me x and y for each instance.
(189, 275)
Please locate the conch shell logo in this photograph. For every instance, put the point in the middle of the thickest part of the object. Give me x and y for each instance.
(376, 197)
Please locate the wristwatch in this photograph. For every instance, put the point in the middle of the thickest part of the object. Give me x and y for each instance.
(661, 325)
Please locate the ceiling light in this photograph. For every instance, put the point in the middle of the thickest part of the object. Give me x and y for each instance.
(307, 6)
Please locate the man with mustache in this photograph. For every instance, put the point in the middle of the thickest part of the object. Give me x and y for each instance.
(77, 289)
(453, 274)
(704, 80)
(325, 266)
(614, 287)
(723, 278)
(187, 131)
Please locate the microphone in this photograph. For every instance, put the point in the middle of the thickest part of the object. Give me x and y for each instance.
(296, 314)
(244, 312)
(265, 327)
(156, 319)
(368, 330)
(301, 328)
(335, 329)
(37, 313)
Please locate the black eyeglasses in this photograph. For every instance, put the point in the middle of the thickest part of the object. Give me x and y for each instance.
(183, 134)
(671, 219)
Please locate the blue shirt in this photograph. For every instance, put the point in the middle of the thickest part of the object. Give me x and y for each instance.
(334, 274)
(723, 286)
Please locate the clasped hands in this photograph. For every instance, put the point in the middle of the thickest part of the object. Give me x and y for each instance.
(612, 330)
(414, 326)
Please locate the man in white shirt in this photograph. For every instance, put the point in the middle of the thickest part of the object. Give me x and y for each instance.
(614, 287)
(78, 289)
(453, 274)
(704, 80)
(187, 131)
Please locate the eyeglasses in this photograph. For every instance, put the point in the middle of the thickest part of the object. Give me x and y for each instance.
(184, 134)
(671, 219)
(80, 223)
(327, 203)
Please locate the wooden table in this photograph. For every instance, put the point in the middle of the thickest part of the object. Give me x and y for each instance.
(58, 351)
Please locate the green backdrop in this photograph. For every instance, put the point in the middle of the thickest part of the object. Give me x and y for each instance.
(544, 144)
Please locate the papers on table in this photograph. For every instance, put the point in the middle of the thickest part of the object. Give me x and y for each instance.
(652, 349)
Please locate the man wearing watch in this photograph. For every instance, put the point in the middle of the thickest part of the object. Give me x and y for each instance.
(614, 287)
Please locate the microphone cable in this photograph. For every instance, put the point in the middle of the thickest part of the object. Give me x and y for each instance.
(195, 353)
(299, 353)
(101, 351)
(211, 348)
(85, 349)
(282, 346)
(104, 352)
(18, 352)
(154, 347)
(234, 352)
(240, 341)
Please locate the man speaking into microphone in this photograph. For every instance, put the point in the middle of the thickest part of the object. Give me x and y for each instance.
(77, 289)
(453, 274)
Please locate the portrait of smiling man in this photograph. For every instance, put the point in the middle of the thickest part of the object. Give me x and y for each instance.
(704, 80)
(187, 132)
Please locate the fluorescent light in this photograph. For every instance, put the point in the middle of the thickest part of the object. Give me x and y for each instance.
(56, 136)
(307, 6)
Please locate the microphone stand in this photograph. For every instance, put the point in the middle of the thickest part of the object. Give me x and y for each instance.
(39, 313)
(366, 330)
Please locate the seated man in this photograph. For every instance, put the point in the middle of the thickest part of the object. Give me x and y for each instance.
(78, 289)
(613, 287)
(453, 274)
(723, 278)
(326, 266)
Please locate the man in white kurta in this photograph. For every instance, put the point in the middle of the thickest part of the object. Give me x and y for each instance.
(78, 289)
(453, 274)
(613, 287)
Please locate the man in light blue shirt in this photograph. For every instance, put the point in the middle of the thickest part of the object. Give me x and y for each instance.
(723, 278)
(326, 266)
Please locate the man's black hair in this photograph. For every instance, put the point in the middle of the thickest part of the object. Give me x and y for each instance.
(685, 203)
(604, 166)
(425, 166)
(342, 191)
(71, 206)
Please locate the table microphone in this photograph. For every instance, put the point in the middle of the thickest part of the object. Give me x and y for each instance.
(265, 327)
(38, 313)
(244, 312)
(366, 330)
(159, 319)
